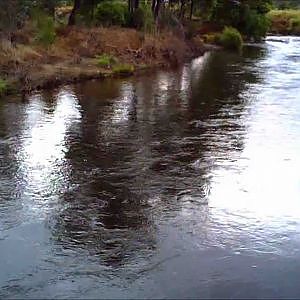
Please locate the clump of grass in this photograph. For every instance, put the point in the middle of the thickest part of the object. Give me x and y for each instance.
(123, 69)
(286, 21)
(212, 38)
(3, 87)
(231, 39)
(106, 60)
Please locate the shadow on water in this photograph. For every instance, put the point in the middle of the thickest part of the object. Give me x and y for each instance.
(138, 149)
(105, 164)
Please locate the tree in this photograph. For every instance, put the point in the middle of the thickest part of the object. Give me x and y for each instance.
(76, 8)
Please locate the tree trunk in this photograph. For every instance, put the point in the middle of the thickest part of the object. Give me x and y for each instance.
(76, 7)
(181, 13)
(192, 8)
(157, 7)
(49, 7)
(153, 5)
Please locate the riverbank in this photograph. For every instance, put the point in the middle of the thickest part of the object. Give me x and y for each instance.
(77, 52)
(284, 22)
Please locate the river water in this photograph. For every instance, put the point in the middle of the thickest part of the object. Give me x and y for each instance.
(181, 183)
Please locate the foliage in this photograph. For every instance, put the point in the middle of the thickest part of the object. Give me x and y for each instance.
(247, 16)
(13, 14)
(231, 38)
(106, 60)
(285, 21)
(167, 20)
(142, 19)
(111, 13)
(191, 29)
(256, 25)
(149, 24)
(123, 69)
(45, 29)
(3, 87)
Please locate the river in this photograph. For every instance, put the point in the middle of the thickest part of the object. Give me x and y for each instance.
(175, 184)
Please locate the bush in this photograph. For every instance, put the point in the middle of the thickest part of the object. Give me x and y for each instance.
(106, 60)
(123, 69)
(148, 22)
(46, 32)
(231, 38)
(3, 87)
(137, 18)
(111, 13)
(142, 19)
(256, 25)
(45, 27)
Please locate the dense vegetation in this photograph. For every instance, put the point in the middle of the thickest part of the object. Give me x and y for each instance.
(120, 35)
(248, 16)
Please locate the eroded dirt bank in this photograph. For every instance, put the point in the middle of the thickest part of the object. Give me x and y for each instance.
(26, 66)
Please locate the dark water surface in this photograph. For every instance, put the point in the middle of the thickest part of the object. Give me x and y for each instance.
(180, 183)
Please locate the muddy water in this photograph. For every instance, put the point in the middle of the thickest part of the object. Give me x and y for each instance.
(180, 183)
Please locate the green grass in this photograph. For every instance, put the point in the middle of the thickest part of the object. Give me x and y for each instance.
(106, 60)
(123, 69)
(3, 87)
(285, 21)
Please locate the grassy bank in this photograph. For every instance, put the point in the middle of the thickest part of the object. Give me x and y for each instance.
(285, 21)
(86, 53)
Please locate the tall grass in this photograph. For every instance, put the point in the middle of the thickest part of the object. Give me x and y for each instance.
(106, 60)
(123, 69)
(285, 21)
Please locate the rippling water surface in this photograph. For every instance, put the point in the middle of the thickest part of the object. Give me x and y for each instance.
(180, 183)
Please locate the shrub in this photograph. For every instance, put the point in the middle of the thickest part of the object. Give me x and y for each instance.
(45, 27)
(256, 25)
(111, 13)
(142, 19)
(231, 38)
(106, 60)
(148, 22)
(123, 69)
(3, 87)
(46, 32)
(137, 18)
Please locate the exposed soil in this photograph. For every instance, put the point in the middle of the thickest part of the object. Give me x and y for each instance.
(25, 65)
